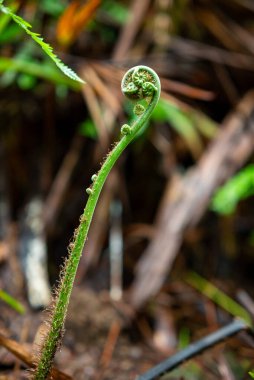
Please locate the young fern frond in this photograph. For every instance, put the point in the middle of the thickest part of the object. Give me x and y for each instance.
(139, 84)
(39, 40)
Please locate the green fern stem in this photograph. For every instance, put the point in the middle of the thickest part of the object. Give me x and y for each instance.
(139, 84)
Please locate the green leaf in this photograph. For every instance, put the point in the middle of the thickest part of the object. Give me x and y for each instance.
(53, 8)
(183, 338)
(116, 11)
(88, 129)
(239, 187)
(39, 40)
(44, 70)
(181, 122)
(206, 126)
(10, 34)
(5, 19)
(251, 374)
(26, 81)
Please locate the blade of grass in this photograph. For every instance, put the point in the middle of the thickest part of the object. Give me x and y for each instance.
(217, 296)
(12, 302)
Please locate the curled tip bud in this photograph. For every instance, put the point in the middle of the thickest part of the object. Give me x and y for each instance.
(139, 109)
(126, 129)
(139, 76)
(94, 177)
(140, 82)
(148, 88)
(130, 90)
(89, 191)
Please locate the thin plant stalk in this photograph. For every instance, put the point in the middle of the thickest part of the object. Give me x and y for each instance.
(140, 84)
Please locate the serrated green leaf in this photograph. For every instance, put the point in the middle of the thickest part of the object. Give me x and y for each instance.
(39, 40)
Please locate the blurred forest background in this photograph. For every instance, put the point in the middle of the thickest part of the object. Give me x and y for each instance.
(170, 252)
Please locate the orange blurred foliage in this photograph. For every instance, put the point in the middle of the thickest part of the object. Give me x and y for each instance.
(74, 19)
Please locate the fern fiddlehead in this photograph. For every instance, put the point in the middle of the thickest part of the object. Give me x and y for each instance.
(139, 84)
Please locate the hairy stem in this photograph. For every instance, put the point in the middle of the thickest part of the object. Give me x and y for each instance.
(139, 84)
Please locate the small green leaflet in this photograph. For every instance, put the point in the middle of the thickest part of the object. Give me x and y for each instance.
(39, 40)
